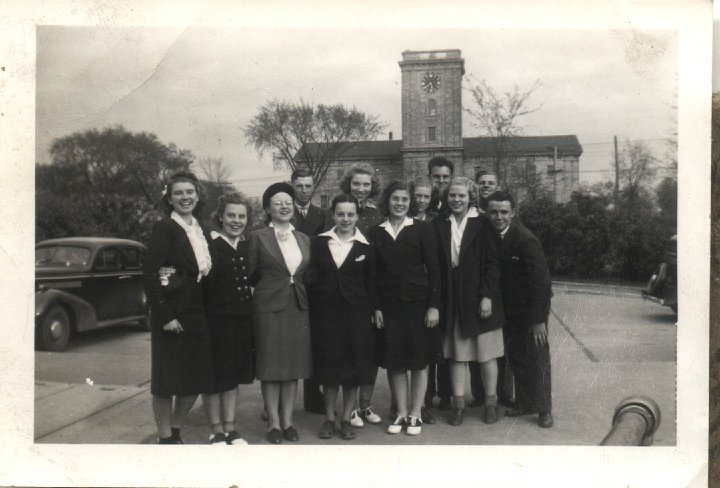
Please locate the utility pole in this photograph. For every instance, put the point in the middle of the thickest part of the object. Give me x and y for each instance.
(616, 194)
(555, 172)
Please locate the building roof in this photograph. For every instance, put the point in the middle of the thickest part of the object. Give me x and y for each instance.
(567, 145)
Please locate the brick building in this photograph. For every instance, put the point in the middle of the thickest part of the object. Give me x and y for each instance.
(432, 126)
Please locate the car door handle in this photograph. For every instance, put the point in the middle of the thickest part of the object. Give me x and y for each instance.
(124, 277)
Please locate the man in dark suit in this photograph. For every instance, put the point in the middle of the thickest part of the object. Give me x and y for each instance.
(310, 220)
(526, 292)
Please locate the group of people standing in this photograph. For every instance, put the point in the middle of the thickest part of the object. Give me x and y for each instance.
(435, 277)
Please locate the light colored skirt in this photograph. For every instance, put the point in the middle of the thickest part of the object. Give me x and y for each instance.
(481, 348)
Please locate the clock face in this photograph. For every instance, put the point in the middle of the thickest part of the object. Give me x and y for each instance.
(430, 82)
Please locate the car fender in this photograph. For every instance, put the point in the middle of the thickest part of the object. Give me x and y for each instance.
(83, 314)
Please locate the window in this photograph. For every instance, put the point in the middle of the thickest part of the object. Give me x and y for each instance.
(430, 134)
(133, 258)
(323, 201)
(108, 259)
(431, 107)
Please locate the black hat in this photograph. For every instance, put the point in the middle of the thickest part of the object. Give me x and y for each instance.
(274, 189)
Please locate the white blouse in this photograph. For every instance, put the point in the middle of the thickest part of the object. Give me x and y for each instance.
(389, 228)
(456, 233)
(289, 248)
(340, 249)
(198, 243)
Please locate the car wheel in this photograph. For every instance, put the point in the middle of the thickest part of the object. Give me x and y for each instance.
(53, 332)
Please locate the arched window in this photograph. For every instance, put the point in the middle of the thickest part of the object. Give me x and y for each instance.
(431, 107)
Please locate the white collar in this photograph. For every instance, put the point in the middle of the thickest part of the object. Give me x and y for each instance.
(306, 207)
(358, 236)
(176, 217)
(502, 234)
(291, 228)
(405, 223)
(472, 212)
(233, 243)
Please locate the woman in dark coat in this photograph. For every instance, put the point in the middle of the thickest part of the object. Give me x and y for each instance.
(408, 287)
(472, 316)
(178, 259)
(341, 313)
(228, 306)
(279, 256)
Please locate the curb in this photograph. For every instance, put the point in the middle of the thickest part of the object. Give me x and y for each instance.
(596, 289)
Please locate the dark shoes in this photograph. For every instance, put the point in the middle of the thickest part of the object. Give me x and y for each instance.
(170, 440)
(327, 430)
(491, 414)
(274, 436)
(426, 416)
(347, 432)
(545, 420)
(456, 416)
(290, 434)
(444, 405)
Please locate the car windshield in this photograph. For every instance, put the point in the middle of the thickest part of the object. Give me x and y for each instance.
(71, 257)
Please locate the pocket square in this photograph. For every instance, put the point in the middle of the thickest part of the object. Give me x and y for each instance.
(516, 258)
(360, 258)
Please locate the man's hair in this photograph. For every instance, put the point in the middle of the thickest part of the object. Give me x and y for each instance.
(483, 172)
(501, 196)
(301, 173)
(440, 162)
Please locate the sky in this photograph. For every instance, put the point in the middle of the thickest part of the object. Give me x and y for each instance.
(199, 86)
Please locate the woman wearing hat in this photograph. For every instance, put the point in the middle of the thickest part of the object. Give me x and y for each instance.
(278, 256)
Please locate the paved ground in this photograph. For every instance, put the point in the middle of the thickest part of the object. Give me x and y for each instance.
(606, 344)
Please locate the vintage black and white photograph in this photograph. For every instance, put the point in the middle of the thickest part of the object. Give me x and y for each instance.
(355, 235)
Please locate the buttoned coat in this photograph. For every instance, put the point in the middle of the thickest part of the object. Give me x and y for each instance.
(478, 276)
(269, 274)
(524, 277)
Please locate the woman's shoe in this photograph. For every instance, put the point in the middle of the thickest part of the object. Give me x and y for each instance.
(233, 439)
(414, 426)
(290, 434)
(218, 439)
(347, 432)
(274, 436)
(355, 419)
(169, 440)
(456, 416)
(369, 416)
(397, 425)
(491, 414)
(327, 430)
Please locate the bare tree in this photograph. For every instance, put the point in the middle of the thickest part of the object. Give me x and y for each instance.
(497, 116)
(637, 170)
(215, 170)
(313, 136)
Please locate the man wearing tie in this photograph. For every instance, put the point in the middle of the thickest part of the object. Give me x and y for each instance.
(526, 292)
(310, 220)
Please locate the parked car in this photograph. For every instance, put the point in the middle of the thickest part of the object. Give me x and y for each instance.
(84, 283)
(662, 286)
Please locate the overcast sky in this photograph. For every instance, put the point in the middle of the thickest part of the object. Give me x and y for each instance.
(198, 87)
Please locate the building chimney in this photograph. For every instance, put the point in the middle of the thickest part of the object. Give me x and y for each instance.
(390, 136)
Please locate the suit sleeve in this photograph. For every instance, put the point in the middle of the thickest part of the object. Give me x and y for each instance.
(370, 274)
(254, 275)
(161, 242)
(490, 264)
(536, 272)
(430, 256)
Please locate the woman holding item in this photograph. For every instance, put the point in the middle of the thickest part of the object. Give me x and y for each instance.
(177, 261)
(278, 256)
(408, 287)
(472, 317)
(228, 306)
(341, 313)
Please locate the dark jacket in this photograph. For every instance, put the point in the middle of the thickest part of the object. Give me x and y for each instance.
(478, 276)
(269, 274)
(170, 247)
(313, 223)
(227, 288)
(407, 268)
(524, 278)
(353, 280)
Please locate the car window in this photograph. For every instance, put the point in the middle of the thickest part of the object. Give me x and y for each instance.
(107, 259)
(71, 257)
(133, 258)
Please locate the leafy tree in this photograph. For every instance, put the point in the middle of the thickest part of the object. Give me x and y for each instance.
(313, 136)
(666, 193)
(498, 117)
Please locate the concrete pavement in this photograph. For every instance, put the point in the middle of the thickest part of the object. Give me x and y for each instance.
(604, 347)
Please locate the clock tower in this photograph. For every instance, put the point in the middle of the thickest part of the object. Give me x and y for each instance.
(431, 109)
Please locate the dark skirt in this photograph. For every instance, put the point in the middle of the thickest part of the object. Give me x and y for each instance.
(343, 343)
(282, 343)
(182, 363)
(233, 350)
(407, 344)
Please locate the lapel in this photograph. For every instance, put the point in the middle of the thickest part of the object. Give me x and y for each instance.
(355, 251)
(184, 243)
(268, 240)
(444, 227)
(472, 227)
(304, 245)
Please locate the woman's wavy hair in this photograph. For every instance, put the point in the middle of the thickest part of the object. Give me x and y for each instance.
(384, 203)
(361, 169)
(472, 193)
(183, 176)
(228, 198)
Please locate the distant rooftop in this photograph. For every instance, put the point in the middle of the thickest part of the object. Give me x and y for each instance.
(437, 54)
